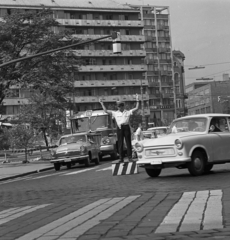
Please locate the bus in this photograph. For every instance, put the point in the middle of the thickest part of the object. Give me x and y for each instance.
(97, 121)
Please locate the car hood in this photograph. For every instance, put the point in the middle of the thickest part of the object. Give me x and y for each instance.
(168, 139)
(69, 147)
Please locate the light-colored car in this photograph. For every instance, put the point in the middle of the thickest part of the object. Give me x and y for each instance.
(160, 131)
(194, 142)
(77, 148)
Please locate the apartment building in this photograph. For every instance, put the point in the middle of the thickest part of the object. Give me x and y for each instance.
(145, 66)
(208, 97)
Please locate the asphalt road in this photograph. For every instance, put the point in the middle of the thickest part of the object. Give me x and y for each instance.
(90, 203)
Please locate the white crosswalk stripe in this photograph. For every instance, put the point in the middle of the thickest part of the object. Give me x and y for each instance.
(194, 212)
(80, 221)
(13, 213)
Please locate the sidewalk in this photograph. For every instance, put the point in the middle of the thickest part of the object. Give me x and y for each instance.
(19, 169)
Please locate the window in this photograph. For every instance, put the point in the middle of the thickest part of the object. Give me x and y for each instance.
(127, 32)
(206, 91)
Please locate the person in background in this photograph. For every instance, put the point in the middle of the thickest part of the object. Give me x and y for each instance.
(139, 134)
(122, 118)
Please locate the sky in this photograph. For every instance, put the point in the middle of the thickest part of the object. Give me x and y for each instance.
(201, 30)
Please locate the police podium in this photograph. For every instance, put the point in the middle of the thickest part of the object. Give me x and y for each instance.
(124, 168)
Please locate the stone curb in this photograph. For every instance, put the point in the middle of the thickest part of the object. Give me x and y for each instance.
(27, 173)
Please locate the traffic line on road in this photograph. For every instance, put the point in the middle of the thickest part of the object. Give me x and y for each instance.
(104, 169)
(193, 212)
(13, 213)
(77, 223)
(80, 171)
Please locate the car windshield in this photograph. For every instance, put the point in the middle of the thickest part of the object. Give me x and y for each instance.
(188, 124)
(73, 139)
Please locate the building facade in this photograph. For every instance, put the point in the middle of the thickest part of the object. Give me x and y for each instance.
(147, 64)
(208, 97)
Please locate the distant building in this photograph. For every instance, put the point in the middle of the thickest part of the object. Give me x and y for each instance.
(208, 97)
(147, 65)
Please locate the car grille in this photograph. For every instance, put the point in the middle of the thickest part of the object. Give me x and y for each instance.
(67, 154)
(160, 152)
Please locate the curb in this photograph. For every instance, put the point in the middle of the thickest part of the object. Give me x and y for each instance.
(25, 174)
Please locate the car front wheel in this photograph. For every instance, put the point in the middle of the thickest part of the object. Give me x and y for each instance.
(87, 161)
(197, 166)
(97, 160)
(153, 172)
(57, 166)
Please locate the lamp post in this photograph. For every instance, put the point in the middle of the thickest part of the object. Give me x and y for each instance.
(142, 106)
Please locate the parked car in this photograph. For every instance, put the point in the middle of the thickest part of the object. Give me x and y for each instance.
(194, 142)
(83, 148)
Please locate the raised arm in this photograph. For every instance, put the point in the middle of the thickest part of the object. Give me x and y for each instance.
(103, 106)
(137, 105)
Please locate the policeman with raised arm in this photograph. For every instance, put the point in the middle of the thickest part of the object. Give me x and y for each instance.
(122, 117)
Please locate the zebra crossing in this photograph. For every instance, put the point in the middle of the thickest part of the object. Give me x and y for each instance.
(194, 211)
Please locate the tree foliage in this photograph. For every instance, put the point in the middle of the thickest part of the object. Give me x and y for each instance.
(42, 113)
(28, 33)
(20, 136)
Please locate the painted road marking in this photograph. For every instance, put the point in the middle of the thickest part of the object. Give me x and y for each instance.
(104, 169)
(80, 171)
(13, 213)
(193, 212)
(80, 221)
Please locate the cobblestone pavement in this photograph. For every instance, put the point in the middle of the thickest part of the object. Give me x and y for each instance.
(90, 203)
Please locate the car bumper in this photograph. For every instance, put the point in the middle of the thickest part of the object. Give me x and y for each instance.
(107, 148)
(69, 159)
(161, 161)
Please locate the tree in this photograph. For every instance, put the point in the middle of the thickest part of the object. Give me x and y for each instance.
(20, 136)
(41, 113)
(28, 33)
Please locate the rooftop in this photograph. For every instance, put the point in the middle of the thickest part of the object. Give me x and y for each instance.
(100, 4)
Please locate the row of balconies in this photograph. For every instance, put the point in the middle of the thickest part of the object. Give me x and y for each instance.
(152, 16)
(103, 23)
(113, 68)
(109, 98)
(109, 53)
(158, 73)
(154, 39)
(111, 83)
(159, 27)
(124, 38)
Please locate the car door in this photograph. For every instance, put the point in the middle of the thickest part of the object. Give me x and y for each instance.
(220, 140)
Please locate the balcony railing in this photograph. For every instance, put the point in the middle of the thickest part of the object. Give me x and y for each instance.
(124, 38)
(103, 23)
(111, 83)
(108, 53)
(110, 98)
(15, 101)
(113, 68)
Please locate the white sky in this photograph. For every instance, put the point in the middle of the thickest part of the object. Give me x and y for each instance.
(201, 30)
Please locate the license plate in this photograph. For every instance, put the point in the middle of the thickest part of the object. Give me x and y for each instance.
(67, 160)
(156, 162)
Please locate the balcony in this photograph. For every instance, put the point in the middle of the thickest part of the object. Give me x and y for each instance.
(15, 101)
(109, 53)
(154, 96)
(167, 95)
(110, 83)
(154, 84)
(148, 16)
(111, 98)
(113, 68)
(161, 107)
(151, 61)
(124, 38)
(150, 38)
(163, 50)
(98, 23)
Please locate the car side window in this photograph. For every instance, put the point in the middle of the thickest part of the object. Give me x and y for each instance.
(224, 125)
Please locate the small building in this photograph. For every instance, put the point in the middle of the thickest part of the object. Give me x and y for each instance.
(208, 97)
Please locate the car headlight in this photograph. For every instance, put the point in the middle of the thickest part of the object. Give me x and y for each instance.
(82, 148)
(52, 152)
(138, 147)
(106, 141)
(179, 144)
